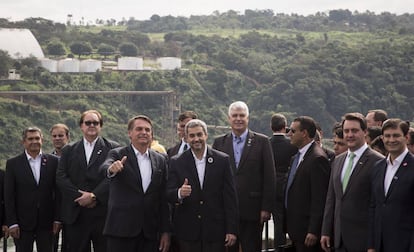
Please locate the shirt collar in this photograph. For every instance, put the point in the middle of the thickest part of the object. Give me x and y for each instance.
(398, 160)
(137, 153)
(87, 143)
(242, 136)
(359, 151)
(30, 157)
(305, 148)
(204, 154)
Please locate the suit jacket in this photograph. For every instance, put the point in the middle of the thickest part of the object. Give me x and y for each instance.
(131, 211)
(74, 174)
(283, 152)
(346, 214)
(174, 150)
(307, 194)
(28, 204)
(211, 212)
(255, 176)
(392, 215)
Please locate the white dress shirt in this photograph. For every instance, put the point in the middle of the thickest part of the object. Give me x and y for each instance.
(35, 165)
(358, 153)
(144, 164)
(392, 168)
(88, 146)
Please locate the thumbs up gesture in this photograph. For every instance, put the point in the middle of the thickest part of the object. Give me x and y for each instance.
(185, 189)
(117, 166)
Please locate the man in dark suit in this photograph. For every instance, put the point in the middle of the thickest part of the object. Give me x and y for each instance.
(306, 187)
(182, 146)
(252, 162)
(84, 186)
(201, 183)
(138, 213)
(31, 198)
(283, 151)
(392, 205)
(345, 222)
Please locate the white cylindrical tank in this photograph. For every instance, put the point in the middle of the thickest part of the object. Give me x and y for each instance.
(169, 63)
(49, 64)
(68, 66)
(90, 66)
(130, 63)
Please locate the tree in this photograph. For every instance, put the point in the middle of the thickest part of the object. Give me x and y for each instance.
(55, 48)
(128, 49)
(5, 63)
(81, 48)
(106, 50)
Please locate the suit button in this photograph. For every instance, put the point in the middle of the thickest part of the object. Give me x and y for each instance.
(201, 202)
(199, 216)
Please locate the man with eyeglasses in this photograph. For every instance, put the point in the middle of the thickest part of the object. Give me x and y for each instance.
(84, 188)
(60, 137)
(31, 200)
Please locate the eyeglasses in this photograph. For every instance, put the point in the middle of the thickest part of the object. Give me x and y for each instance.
(292, 130)
(89, 123)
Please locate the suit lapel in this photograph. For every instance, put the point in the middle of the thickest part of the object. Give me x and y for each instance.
(358, 167)
(398, 175)
(246, 148)
(228, 148)
(97, 150)
(27, 170)
(209, 166)
(80, 149)
(43, 168)
(133, 162)
(340, 166)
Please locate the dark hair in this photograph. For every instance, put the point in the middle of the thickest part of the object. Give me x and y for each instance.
(187, 114)
(337, 130)
(378, 144)
(278, 122)
(411, 133)
(91, 111)
(142, 117)
(31, 129)
(355, 117)
(395, 123)
(307, 123)
(374, 131)
(62, 126)
(379, 115)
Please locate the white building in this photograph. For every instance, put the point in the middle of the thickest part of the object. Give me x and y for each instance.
(68, 66)
(20, 43)
(90, 66)
(169, 63)
(130, 63)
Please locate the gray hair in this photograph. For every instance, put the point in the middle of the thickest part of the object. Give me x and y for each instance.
(196, 123)
(239, 105)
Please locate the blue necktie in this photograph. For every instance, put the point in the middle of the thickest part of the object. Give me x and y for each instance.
(293, 169)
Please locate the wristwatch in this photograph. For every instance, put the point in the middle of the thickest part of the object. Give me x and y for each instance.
(93, 196)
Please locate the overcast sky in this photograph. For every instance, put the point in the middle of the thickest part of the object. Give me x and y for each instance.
(58, 10)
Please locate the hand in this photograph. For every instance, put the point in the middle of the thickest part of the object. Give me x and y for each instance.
(14, 232)
(5, 230)
(264, 216)
(310, 240)
(326, 243)
(57, 227)
(164, 242)
(86, 199)
(185, 189)
(117, 166)
(371, 250)
(230, 240)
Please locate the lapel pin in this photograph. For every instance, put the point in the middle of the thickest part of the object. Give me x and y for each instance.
(99, 152)
(395, 178)
(210, 160)
(404, 164)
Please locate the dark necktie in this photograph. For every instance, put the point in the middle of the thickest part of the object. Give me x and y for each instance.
(185, 147)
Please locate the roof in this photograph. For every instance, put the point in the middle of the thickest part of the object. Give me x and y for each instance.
(20, 43)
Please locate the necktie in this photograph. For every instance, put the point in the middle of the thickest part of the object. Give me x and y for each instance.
(348, 170)
(293, 169)
(185, 147)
